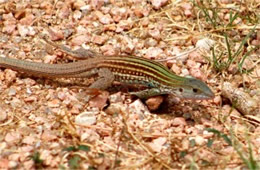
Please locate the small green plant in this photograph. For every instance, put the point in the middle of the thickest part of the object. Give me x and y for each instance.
(219, 135)
(77, 148)
(38, 162)
(217, 24)
(220, 64)
(74, 159)
(247, 158)
(74, 162)
(211, 14)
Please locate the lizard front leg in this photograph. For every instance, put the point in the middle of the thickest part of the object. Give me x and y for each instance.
(144, 94)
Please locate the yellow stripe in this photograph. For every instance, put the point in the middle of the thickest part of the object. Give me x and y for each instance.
(133, 71)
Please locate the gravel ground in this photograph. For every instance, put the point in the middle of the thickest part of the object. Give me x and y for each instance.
(55, 124)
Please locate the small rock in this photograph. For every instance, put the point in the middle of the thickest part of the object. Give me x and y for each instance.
(217, 100)
(119, 14)
(155, 33)
(116, 97)
(80, 39)
(9, 29)
(77, 15)
(256, 142)
(14, 157)
(110, 27)
(124, 25)
(176, 69)
(153, 52)
(115, 108)
(157, 144)
(158, 3)
(196, 56)
(56, 34)
(196, 72)
(12, 137)
(62, 95)
(74, 110)
(108, 50)
(185, 72)
(244, 102)
(49, 58)
(200, 140)
(99, 101)
(106, 19)
(47, 6)
(185, 144)
(139, 108)
(3, 114)
(100, 40)
(19, 14)
(150, 42)
(4, 163)
(141, 11)
(205, 44)
(85, 8)
(54, 103)
(23, 30)
(255, 42)
(227, 150)
(12, 91)
(30, 99)
(127, 44)
(206, 122)
(153, 103)
(64, 12)
(179, 121)
(187, 13)
(192, 64)
(48, 136)
(186, 6)
(86, 118)
(207, 134)
(27, 20)
(12, 164)
(78, 4)
(28, 140)
(9, 23)
(97, 4)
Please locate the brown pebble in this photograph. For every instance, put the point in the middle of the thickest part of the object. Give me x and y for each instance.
(178, 121)
(153, 103)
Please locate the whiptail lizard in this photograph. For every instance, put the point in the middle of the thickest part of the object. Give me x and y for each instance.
(125, 69)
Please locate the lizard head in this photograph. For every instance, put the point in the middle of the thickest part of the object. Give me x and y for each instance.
(192, 88)
(196, 89)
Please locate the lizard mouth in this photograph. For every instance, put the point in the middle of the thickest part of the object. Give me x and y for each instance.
(206, 96)
(202, 97)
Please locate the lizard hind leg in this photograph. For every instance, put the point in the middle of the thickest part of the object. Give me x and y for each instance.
(79, 54)
(105, 79)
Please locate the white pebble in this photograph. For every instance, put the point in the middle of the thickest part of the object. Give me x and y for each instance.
(86, 118)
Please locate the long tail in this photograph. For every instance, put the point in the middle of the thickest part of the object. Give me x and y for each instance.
(73, 69)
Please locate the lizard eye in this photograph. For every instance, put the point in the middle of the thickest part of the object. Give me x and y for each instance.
(195, 90)
(180, 90)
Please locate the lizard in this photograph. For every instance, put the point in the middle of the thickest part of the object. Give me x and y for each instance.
(129, 70)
